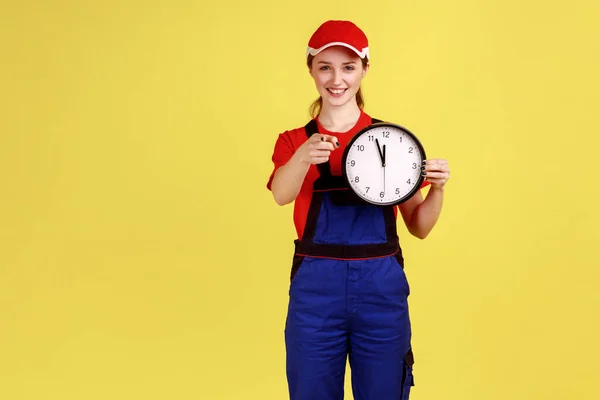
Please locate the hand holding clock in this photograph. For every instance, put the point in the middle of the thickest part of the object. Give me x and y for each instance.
(437, 172)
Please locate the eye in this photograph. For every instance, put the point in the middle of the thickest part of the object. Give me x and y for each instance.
(350, 67)
(324, 67)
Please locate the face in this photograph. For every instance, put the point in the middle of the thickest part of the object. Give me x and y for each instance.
(337, 72)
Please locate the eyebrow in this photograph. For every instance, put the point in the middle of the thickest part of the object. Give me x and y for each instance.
(346, 63)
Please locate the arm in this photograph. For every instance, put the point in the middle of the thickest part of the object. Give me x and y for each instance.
(420, 216)
(288, 178)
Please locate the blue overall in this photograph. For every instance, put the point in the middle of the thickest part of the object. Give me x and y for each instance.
(348, 298)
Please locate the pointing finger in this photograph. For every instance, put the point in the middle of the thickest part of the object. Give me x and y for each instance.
(318, 137)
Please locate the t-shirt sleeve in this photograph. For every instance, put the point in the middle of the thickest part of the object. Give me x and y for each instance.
(283, 151)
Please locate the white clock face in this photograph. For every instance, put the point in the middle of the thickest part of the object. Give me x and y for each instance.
(383, 164)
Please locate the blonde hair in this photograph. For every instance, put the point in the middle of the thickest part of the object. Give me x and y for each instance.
(315, 107)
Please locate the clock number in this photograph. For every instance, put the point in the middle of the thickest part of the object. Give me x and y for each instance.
(408, 181)
(410, 149)
(382, 194)
(356, 179)
(371, 138)
(362, 147)
(400, 139)
(368, 187)
(414, 165)
(353, 163)
(397, 190)
(386, 134)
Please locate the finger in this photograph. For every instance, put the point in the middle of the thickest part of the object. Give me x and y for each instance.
(432, 165)
(435, 168)
(331, 139)
(316, 138)
(437, 182)
(436, 175)
(323, 146)
(443, 170)
(320, 153)
(437, 161)
(320, 160)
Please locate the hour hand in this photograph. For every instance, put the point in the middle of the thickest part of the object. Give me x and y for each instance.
(381, 153)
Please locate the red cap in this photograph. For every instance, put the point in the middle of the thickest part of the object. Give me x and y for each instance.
(338, 33)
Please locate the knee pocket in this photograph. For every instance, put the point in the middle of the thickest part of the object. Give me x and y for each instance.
(407, 375)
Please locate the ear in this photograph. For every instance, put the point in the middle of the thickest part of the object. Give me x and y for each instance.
(365, 70)
(310, 68)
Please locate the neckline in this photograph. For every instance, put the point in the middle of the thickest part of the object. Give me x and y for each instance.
(332, 133)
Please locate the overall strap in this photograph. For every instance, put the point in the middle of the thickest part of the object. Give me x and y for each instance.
(315, 205)
(311, 128)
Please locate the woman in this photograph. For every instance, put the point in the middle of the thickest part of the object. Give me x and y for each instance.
(348, 290)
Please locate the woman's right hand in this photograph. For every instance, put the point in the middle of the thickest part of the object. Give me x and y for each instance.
(317, 148)
(288, 179)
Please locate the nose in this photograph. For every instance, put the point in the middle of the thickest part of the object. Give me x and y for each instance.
(337, 77)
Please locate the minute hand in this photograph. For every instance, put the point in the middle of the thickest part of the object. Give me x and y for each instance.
(384, 168)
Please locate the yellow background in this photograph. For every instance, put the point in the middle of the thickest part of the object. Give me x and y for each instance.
(141, 256)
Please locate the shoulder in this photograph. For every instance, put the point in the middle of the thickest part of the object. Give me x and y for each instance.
(294, 134)
(293, 137)
(367, 119)
(299, 131)
(370, 119)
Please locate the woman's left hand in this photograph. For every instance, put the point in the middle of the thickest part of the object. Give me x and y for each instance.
(437, 172)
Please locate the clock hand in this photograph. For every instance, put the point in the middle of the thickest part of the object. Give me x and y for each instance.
(383, 165)
(384, 180)
(380, 153)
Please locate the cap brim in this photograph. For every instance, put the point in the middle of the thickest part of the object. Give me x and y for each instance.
(362, 54)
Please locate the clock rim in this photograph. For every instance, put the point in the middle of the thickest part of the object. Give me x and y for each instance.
(366, 129)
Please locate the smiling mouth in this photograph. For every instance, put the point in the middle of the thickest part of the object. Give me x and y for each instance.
(336, 91)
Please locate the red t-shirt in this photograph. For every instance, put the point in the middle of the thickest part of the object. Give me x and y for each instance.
(286, 145)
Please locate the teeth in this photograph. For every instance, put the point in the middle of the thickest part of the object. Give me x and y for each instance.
(337, 91)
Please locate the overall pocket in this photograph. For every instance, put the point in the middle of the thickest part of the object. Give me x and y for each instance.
(296, 263)
(407, 377)
(398, 260)
(299, 266)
